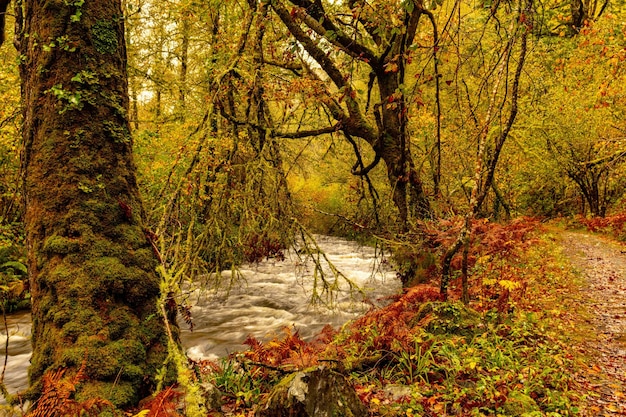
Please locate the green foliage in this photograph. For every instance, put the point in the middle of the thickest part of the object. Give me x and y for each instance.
(573, 120)
(13, 271)
(85, 77)
(13, 294)
(10, 123)
(78, 4)
(242, 384)
(62, 42)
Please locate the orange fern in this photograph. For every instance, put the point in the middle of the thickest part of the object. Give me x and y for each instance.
(164, 404)
(56, 401)
(290, 351)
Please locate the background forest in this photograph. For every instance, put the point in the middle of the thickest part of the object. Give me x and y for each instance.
(258, 124)
(243, 135)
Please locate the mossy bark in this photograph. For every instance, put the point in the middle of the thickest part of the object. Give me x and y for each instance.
(91, 266)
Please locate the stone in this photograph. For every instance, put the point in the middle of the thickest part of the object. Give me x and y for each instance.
(518, 404)
(316, 392)
(212, 396)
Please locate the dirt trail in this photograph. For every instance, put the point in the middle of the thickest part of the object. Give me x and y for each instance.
(603, 265)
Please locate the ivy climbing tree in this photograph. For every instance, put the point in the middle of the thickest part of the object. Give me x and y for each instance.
(90, 259)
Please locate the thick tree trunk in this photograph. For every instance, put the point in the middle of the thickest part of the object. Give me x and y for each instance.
(91, 265)
(394, 148)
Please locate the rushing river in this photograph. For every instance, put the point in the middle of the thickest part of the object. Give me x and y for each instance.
(271, 295)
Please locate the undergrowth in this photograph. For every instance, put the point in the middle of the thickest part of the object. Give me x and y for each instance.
(614, 225)
(506, 354)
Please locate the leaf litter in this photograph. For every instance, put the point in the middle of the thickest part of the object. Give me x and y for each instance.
(602, 264)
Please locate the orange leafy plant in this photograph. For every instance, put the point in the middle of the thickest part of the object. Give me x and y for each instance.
(290, 351)
(164, 403)
(56, 398)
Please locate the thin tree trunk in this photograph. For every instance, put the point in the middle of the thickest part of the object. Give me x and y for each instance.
(481, 187)
(184, 58)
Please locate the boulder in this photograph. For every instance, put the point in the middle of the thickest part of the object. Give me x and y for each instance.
(520, 404)
(449, 318)
(212, 396)
(316, 392)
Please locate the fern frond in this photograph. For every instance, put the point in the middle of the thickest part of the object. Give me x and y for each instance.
(56, 401)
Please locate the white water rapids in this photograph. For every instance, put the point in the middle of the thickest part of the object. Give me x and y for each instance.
(273, 294)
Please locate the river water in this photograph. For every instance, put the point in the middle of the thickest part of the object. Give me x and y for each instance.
(269, 296)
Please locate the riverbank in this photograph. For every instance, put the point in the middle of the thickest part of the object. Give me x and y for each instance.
(264, 298)
(512, 351)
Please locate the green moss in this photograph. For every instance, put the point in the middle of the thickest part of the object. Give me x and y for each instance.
(104, 36)
(105, 360)
(56, 244)
(97, 206)
(150, 327)
(144, 258)
(43, 358)
(122, 320)
(85, 286)
(71, 331)
(59, 275)
(114, 102)
(450, 318)
(131, 235)
(78, 222)
(91, 185)
(46, 303)
(63, 312)
(146, 288)
(520, 404)
(120, 393)
(113, 275)
(82, 162)
(102, 247)
(130, 354)
(115, 278)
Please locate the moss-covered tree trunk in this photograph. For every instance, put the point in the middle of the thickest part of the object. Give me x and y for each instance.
(92, 268)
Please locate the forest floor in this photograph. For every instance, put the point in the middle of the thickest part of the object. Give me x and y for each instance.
(602, 264)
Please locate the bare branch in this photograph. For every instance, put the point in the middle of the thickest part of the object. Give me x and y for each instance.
(307, 133)
(355, 123)
(315, 17)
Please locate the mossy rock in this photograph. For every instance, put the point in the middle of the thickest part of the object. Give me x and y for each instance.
(520, 404)
(317, 392)
(449, 318)
(414, 267)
